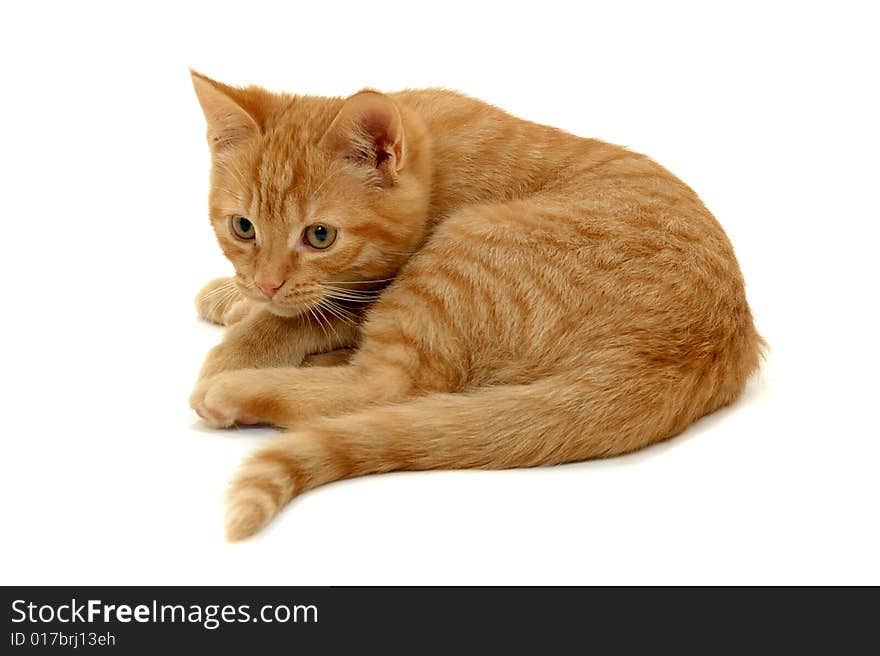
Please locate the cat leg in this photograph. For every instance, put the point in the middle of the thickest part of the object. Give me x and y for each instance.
(263, 339)
(284, 396)
(400, 356)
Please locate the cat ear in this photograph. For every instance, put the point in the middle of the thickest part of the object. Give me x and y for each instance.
(229, 123)
(369, 130)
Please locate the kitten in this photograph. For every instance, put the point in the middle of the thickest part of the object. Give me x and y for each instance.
(518, 296)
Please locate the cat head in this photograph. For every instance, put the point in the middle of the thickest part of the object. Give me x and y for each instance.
(312, 197)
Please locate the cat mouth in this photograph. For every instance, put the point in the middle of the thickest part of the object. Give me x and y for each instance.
(285, 310)
(292, 303)
(290, 307)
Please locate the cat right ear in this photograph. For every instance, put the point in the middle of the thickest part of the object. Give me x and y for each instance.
(229, 123)
(369, 131)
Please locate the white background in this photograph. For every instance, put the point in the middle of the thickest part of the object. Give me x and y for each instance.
(768, 110)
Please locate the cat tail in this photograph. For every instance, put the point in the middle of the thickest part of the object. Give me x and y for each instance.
(545, 422)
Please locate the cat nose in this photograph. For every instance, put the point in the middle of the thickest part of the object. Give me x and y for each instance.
(268, 288)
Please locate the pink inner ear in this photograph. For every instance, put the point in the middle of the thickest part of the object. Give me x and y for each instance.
(369, 130)
(378, 122)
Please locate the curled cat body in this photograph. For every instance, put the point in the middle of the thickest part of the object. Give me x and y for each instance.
(487, 292)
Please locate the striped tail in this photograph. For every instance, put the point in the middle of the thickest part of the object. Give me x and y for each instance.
(546, 422)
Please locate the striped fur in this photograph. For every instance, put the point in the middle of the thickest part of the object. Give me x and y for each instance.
(516, 295)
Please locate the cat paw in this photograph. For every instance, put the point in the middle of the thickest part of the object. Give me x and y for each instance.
(237, 311)
(221, 401)
(220, 302)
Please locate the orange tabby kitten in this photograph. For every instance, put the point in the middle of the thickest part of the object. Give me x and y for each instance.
(517, 296)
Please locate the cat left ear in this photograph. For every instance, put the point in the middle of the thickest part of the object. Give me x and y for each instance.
(369, 130)
(229, 123)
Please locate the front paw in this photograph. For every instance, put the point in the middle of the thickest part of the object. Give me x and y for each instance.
(237, 311)
(222, 400)
(220, 302)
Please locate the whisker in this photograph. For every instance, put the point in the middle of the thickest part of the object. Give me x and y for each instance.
(355, 293)
(361, 282)
(216, 300)
(340, 313)
(349, 299)
(351, 295)
(220, 301)
(222, 288)
(344, 310)
(352, 291)
(327, 305)
(319, 322)
(320, 309)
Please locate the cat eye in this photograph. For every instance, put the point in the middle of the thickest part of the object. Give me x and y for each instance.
(319, 236)
(242, 228)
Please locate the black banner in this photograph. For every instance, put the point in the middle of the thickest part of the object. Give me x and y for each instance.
(415, 620)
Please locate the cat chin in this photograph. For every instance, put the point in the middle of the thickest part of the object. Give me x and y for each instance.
(288, 312)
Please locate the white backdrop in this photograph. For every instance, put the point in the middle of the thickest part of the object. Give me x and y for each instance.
(769, 110)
